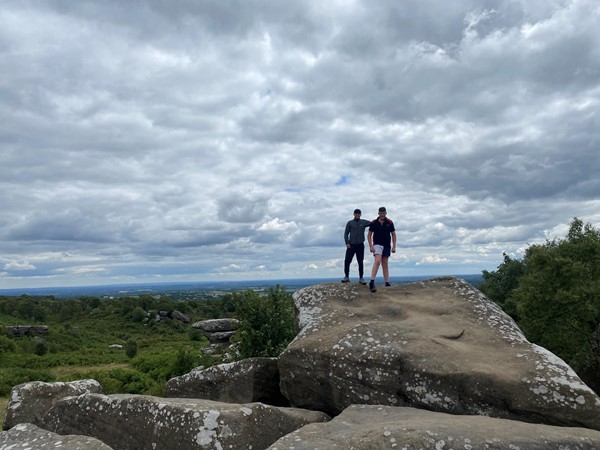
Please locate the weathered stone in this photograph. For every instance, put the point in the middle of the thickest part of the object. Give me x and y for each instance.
(28, 436)
(27, 330)
(217, 325)
(29, 402)
(143, 422)
(372, 427)
(245, 381)
(176, 315)
(219, 337)
(439, 345)
(173, 315)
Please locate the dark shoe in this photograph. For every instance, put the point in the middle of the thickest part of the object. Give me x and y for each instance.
(345, 280)
(372, 286)
(387, 284)
(362, 281)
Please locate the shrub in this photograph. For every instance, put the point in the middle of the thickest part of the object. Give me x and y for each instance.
(268, 322)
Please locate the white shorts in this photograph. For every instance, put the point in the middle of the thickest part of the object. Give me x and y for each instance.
(381, 250)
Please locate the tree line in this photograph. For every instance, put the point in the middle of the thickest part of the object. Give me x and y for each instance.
(553, 294)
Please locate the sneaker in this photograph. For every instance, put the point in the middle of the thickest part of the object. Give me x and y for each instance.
(372, 286)
(345, 280)
(362, 281)
(387, 284)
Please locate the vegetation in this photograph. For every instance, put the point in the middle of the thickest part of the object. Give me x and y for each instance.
(81, 330)
(553, 293)
(82, 333)
(268, 322)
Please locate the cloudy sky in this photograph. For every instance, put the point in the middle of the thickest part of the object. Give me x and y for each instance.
(218, 140)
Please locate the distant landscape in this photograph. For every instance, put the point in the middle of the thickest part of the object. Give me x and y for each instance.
(191, 290)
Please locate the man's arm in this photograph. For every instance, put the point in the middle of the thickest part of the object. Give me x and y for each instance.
(370, 240)
(346, 233)
(393, 242)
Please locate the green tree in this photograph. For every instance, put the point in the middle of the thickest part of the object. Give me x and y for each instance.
(131, 348)
(558, 297)
(498, 285)
(268, 323)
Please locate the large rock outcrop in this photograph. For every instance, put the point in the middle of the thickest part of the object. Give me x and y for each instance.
(27, 436)
(439, 345)
(128, 422)
(29, 402)
(249, 380)
(370, 427)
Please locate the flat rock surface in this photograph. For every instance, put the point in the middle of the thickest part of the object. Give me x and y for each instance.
(29, 402)
(128, 422)
(26, 436)
(371, 427)
(440, 345)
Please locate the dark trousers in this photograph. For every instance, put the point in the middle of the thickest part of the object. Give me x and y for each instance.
(359, 251)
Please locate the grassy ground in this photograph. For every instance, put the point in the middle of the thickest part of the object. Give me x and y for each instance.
(62, 371)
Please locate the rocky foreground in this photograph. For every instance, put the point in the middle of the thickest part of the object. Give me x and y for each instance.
(430, 365)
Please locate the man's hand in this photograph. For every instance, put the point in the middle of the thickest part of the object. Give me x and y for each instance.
(393, 249)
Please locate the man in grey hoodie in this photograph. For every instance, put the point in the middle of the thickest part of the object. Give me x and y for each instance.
(354, 236)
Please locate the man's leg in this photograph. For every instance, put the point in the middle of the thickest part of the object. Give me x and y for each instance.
(385, 269)
(376, 265)
(360, 256)
(347, 261)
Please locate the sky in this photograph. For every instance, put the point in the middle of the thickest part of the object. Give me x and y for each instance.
(164, 141)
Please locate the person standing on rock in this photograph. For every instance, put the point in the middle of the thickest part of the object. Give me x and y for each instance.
(381, 232)
(354, 236)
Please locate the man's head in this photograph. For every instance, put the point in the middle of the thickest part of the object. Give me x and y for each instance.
(357, 213)
(382, 212)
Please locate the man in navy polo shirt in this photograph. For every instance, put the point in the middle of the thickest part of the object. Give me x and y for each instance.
(381, 231)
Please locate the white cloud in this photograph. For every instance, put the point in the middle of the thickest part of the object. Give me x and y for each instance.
(19, 265)
(230, 141)
(432, 259)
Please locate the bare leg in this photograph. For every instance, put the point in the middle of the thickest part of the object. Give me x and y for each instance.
(376, 265)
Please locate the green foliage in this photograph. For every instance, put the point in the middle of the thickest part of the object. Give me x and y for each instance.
(7, 345)
(558, 298)
(498, 285)
(554, 294)
(12, 376)
(131, 348)
(267, 322)
(80, 331)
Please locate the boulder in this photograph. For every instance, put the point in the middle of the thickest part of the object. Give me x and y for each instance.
(217, 325)
(372, 427)
(29, 402)
(248, 380)
(28, 436)
(173, 315)
(440, 345)
(218, 331)
(27, 330)
(219, 337)
(128, 421)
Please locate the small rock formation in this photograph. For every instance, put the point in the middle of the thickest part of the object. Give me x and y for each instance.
(173, 315)
(439, 345)
(29, 402)
(249, 380)
(218, 331)
(28, 436)
(128, 422)
(27, 330)
(368, 427)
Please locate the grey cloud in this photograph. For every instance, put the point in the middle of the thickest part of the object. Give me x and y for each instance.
(175, 139)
